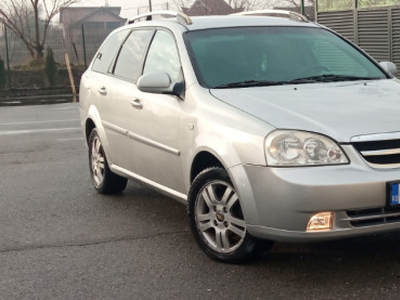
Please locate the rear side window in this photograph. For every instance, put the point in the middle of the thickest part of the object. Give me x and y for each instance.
(108, 51)
(130, 59)
(163, 56)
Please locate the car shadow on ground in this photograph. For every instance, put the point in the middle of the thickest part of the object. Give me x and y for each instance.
(363, 261)
(354, 266)
(366, 249)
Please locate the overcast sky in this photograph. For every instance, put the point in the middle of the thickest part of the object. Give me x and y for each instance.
(129, 7)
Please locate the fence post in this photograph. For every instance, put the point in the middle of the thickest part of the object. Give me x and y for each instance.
(355, 20)
(7, 58)
(390, 23)
(84, 46)
(71, 76)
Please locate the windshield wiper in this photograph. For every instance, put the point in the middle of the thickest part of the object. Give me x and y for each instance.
(332, 78)
(248, 83)
(310, 79)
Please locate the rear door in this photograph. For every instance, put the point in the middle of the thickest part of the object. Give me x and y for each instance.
(121, 91)
(98, 84)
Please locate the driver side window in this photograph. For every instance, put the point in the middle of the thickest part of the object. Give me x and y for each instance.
(163, 56)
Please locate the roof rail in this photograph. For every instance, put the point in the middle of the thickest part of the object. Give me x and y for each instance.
(275, 13)
(181, 17)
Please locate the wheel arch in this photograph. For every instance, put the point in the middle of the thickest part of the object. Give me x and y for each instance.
(202, 161)
(89, 126)
(206, 158)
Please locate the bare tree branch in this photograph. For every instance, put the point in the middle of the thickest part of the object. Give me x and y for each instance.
(250, 4)
(30, 20)
(182, 3)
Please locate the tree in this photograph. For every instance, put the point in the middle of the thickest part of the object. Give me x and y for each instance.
(252, 4)
(50, 67)
(249, 4)
(372, 3)
(182, 3)
(3, 74)
(30, 20)
(296, 3)
(327, 5)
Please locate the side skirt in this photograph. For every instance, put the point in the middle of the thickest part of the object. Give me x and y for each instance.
(158, 187)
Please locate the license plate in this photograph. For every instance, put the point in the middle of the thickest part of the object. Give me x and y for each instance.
(393, 193)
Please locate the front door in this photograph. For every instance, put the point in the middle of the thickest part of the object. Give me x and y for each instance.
(154, 119)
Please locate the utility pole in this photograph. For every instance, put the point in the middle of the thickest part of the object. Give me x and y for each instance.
(7, 58)
(150, 7)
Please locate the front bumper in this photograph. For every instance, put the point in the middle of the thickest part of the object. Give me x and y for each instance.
(279, 202)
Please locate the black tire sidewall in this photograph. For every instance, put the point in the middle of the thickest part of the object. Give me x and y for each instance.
(112, 183)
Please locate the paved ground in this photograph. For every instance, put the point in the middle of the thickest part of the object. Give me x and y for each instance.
(59, 239)
(29, 99)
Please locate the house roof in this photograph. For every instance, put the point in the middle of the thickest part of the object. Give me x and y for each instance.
(308, 10)
(210, 7)
(77, 14)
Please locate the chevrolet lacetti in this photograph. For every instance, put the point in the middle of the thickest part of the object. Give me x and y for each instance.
(269, 127)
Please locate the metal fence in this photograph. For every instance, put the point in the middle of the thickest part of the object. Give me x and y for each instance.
(20, 56)
(376, 30)
(18, 53)
(84, 40)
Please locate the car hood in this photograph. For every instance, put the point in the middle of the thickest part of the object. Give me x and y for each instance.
(340, 110)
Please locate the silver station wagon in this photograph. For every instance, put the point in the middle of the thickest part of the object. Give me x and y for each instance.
(267, 126)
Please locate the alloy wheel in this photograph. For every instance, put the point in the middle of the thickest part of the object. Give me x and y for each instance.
(219, 217)
(97, 161)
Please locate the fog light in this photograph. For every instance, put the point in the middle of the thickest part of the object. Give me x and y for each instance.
(320, 222)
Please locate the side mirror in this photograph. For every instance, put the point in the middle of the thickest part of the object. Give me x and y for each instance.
(160, 83)
(389, 67)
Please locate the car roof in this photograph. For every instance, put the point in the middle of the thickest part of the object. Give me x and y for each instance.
(243, 21)
(248, 19)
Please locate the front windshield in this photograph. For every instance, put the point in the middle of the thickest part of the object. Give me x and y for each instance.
(275, 55)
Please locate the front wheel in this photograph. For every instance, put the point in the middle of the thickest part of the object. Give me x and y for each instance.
(104, 181)
(216, 218)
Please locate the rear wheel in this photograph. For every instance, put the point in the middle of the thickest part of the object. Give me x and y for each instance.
(217, 220)
(104, 181)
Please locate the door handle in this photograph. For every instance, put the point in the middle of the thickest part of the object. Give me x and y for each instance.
(102, 91)
(137, 103)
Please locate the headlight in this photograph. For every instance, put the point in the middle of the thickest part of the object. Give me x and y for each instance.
(301, 148)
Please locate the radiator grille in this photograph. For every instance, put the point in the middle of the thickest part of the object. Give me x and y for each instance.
(384, 153)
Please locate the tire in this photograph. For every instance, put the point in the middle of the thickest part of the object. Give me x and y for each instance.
(217, 220)
(104, 181)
